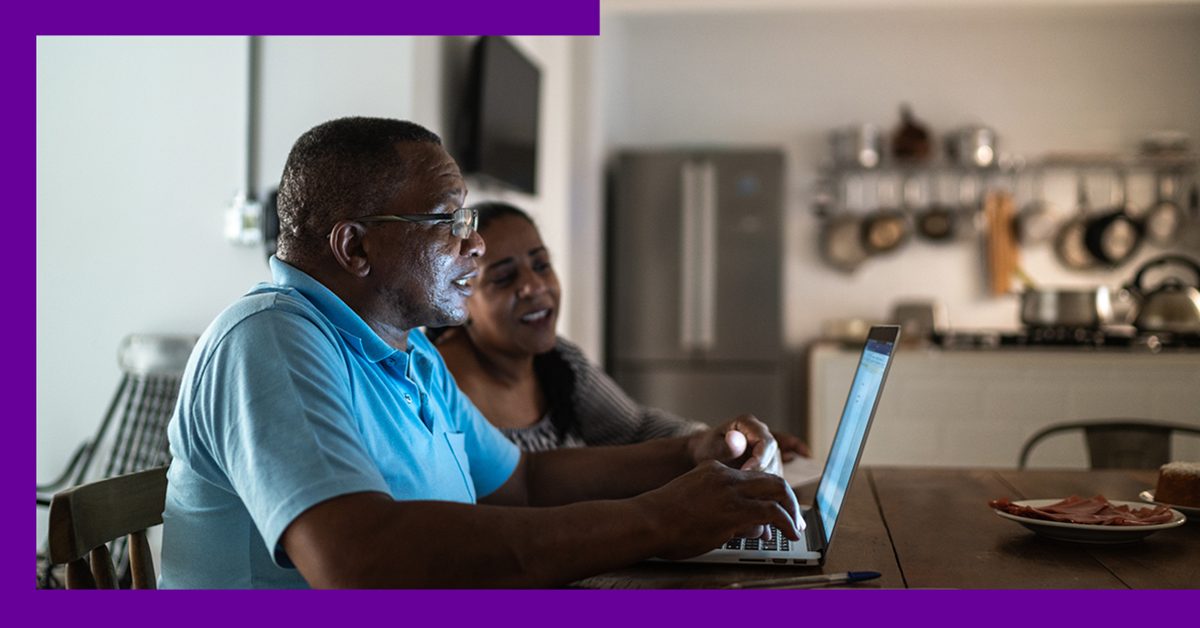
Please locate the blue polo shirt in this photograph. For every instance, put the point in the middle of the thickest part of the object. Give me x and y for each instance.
(290, 399)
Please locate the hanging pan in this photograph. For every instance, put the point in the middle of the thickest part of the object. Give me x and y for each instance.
(887, 228)
(1069, 242)
(1114, 236)
(1165, 220)
(937, 222)
(840, 242)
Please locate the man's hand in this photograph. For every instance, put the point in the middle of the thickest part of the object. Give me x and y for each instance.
(790, 446)
(707, 506)
(742, 443)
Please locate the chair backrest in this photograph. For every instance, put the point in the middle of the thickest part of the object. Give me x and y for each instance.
(153, 367)
(1117, 443)
(132, 435)
(85, 518)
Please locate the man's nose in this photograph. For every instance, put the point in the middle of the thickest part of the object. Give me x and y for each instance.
(473, 245)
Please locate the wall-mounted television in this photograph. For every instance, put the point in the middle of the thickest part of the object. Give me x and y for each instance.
(498, 127)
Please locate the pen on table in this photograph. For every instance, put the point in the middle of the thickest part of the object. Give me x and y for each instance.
(808, 582)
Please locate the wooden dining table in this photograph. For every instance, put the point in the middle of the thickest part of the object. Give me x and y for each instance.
(932, 528)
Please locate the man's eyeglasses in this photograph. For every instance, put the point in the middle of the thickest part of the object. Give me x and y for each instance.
(463, 222)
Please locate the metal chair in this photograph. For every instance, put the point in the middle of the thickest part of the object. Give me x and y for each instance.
(1118, 443)
(84, 519)
(133, 433)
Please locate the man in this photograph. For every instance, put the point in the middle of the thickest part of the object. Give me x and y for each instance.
(319, 440)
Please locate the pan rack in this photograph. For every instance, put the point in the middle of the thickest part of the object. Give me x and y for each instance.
(960, 193)
(831, 180)
(1007, 165)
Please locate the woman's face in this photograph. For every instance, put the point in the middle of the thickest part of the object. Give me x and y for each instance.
(515, 304)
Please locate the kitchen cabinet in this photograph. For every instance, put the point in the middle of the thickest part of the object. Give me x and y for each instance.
(977, 407)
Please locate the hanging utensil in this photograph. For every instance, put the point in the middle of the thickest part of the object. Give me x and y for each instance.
(888, 228)
(970, 221)
(1189, 239)
(1000, 245)
(1036, 222)
(840, 240)
(1114, 236)
(937, 221)
(1069, 242)
(1164, 221)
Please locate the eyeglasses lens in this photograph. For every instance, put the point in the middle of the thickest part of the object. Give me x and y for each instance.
(466, 220)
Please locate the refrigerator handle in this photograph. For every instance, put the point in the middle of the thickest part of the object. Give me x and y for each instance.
(706, 338)
(689, 216)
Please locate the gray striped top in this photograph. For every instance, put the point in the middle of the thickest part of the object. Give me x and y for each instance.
(604, 414)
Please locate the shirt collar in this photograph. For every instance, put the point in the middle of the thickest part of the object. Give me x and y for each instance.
(353, 328)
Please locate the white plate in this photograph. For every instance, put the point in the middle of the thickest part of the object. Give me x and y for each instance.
(1086, 532)
(1190, 511)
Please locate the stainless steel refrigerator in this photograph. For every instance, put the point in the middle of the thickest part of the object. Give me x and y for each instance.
(694, 282)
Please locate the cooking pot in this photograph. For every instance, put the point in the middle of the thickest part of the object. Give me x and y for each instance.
(972, 146)
(1172, 306)
(1066, 307)
(857, 146)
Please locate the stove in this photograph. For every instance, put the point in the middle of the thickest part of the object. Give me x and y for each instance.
(1122, 338)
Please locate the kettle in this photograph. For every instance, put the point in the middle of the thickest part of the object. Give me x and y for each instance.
(1172, 306)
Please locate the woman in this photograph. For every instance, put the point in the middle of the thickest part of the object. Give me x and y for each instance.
(539, 389)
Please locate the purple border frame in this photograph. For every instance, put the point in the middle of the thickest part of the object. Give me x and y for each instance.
(577, 608)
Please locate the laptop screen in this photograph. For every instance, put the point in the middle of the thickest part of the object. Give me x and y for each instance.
(852, 429)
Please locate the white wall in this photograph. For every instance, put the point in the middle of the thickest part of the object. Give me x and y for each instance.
(309, 80)
(140, 147)
(1045, 78)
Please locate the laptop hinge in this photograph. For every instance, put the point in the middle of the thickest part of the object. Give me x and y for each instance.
(814, 533)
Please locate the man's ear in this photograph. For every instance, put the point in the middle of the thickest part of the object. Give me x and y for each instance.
(346, 243)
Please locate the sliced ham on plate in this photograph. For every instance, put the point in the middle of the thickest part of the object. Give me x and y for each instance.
(1095, 511)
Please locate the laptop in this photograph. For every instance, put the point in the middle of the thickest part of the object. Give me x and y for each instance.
(844, 454)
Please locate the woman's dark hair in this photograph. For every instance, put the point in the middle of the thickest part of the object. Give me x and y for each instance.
(490, 211)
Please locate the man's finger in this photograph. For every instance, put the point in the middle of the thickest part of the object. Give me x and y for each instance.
(759, 457)
(787, 525)
(753, 532)
(736, 441)
(772, 489)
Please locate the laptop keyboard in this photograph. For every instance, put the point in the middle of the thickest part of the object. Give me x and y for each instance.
(777, 543)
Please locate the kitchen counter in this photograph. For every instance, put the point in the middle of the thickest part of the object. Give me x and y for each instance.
(977, 407)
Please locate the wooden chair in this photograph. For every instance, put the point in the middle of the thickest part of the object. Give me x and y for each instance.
(132, 435)
(1118, 443)
(84, 519)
